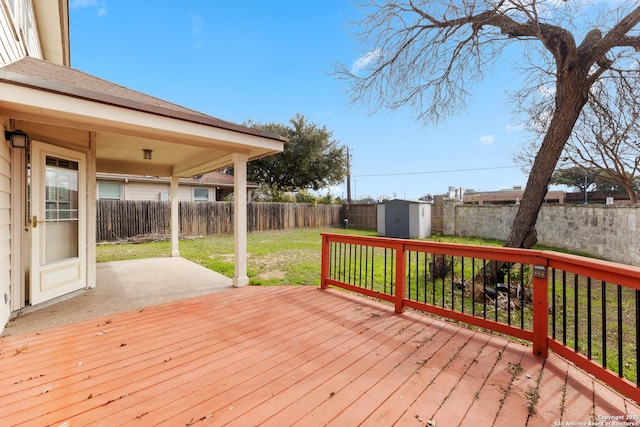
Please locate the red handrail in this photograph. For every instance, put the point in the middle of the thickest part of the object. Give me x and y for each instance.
(623, 275)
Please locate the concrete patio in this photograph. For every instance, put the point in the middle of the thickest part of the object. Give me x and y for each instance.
(123, 286)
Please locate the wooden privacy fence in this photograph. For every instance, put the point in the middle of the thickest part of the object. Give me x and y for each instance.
(362, 216)
(122, 219)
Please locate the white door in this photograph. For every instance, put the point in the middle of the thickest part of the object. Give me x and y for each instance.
(58, 222)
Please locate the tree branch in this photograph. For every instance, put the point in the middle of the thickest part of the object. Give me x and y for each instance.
(617, 36)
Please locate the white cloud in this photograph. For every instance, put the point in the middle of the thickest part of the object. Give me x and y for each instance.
(77, 4)
(546, 90)
(103, 9)
(83, 3)
(196, 24)
(486, 139)
(365, 60)
(514, 128)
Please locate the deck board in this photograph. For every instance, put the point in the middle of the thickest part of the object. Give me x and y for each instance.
(277, 356)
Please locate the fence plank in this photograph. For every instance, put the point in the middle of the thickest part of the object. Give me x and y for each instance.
(362, 216)
(122, 219)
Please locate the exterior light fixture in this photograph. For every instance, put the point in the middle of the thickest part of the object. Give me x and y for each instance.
(18, 138)
(146, 154)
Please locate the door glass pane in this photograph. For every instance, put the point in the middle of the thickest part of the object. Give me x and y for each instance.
(61, 209)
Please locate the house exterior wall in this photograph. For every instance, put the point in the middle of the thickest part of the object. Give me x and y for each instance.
(5, 231)
(139, 191)
(18, 31)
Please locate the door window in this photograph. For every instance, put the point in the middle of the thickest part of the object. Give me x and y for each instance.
(61, 209)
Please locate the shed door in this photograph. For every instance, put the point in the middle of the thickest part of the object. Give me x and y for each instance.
(58, 221)
(397, 220)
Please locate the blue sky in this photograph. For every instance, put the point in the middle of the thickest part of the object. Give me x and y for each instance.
(268, 60)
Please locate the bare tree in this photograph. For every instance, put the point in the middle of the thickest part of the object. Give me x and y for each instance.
(607, 137)
(425, 54)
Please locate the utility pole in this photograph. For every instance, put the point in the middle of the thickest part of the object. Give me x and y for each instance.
(348, 177)
(585, 187)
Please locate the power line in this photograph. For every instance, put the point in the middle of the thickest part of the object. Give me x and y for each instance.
(440, 171)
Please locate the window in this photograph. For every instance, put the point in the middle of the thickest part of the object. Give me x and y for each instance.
(200, 194)
(61, 209)
(109, 190)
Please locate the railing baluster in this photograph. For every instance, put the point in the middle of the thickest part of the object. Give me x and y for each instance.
(589, 318)
(453, 288)
(509, 280)
(604, 323)
(553, 303)
(350, 262)
(620, 354)
(424, 276)
(409, 266)
(360, 267)
(417, 275)
(522, 291)
(495, 300)
(575, 308)
(433, 278)
(473, 287)
(373, 269)
(366, 267)
(385, 270)
(564, 307)
(484, 287)
(462, 287)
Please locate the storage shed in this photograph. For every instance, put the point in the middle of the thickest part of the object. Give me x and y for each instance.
(406, 219)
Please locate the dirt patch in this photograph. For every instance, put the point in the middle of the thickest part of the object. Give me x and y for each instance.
(272, 274)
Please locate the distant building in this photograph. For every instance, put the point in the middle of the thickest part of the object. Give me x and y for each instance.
(514, 195)
(509, 197)
(209, 187)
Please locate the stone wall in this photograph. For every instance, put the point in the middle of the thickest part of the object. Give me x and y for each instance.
(608, 232)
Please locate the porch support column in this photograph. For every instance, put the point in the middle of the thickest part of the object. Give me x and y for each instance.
(175, 219)
(240, 277)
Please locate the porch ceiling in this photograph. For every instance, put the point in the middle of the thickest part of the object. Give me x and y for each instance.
(58, 104)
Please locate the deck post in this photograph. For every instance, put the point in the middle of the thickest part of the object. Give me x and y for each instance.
(240, 277)
(401, 277)
(540, 311)
(175, 217)
(324, 265)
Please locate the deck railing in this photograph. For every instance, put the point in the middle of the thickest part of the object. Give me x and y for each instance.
(585, 310)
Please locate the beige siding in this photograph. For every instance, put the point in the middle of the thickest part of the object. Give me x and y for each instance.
(143, 191)
(12, 30)
(10, 47)
(151, 191)
(5, 232)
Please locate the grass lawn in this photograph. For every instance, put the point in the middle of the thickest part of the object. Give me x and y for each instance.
(290, 257)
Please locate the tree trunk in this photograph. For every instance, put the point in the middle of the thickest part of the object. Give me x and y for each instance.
(572, 94)
(631, 192)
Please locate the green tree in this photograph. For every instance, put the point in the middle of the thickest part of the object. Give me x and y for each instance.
(311, 158)
(589, 180)
(425, 54)
(575, 177)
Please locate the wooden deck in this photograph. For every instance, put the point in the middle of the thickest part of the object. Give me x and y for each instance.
(276, 356)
